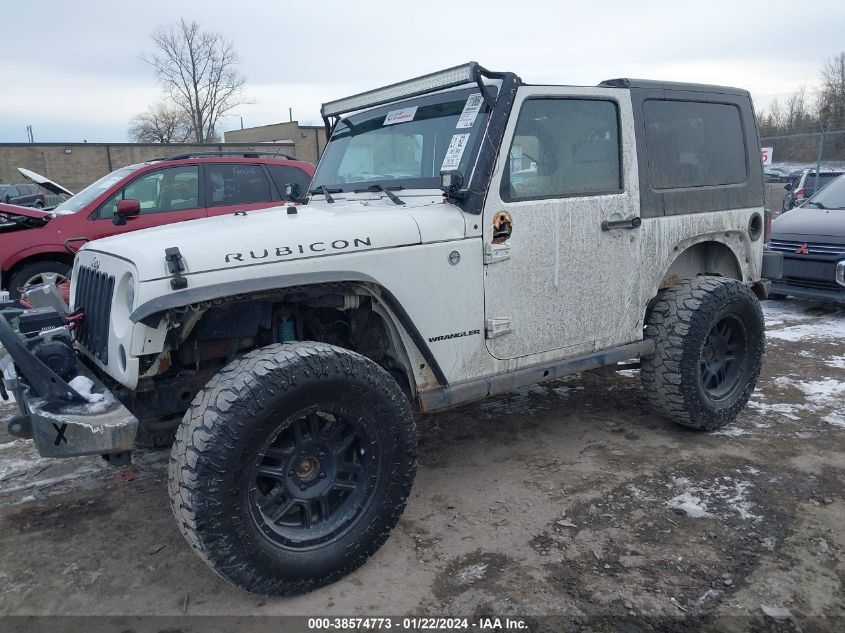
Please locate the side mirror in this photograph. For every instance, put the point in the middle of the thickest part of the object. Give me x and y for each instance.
(126, 209)
(788, 186)
(293, 191)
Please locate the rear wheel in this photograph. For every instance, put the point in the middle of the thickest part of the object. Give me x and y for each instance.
(709, 337)
(292, 466)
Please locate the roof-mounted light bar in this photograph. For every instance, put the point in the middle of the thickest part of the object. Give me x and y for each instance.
(449, 78)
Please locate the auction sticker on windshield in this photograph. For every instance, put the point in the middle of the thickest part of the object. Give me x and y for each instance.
(456, 149)
(471, 110)
(400, 116)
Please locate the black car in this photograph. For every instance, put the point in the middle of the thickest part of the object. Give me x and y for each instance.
(804, 184)
(23, 195)
(812, 240)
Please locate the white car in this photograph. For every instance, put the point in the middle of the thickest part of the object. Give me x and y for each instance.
(288, 351)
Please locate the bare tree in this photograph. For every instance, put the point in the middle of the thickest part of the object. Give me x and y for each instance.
(197, 70)
(798, 112)
(832, 91)
(161, 123)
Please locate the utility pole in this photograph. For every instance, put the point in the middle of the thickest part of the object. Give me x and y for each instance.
(290, 114)
(29, 136)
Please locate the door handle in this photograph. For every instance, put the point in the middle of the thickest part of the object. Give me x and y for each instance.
(629, 223)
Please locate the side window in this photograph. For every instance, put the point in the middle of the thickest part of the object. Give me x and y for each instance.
(564, 147)
(168, 189)
(12, 191)
(283, 176)
(693, 144)
(236, 183)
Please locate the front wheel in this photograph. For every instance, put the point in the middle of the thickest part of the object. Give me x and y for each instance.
(709, 337)
(40, 272)
(292, 466)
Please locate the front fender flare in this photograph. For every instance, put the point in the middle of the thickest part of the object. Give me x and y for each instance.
(151, 312)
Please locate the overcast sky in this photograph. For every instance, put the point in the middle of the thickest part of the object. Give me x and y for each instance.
(73, 70)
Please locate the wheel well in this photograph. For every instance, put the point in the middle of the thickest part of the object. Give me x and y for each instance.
(704, 258)
(350, 315)
(57, 256)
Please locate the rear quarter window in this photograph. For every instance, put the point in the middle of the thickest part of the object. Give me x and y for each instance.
(694, 144)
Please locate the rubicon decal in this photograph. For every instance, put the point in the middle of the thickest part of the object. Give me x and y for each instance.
(277, 252)
(446, 337)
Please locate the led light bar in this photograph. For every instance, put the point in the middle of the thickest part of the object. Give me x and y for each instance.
(466, 73)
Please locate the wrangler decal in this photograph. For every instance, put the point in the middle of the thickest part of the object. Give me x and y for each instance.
(446, 337)
(302, 249)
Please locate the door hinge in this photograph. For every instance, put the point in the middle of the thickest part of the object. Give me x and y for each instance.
(496, 253)
(497, 326)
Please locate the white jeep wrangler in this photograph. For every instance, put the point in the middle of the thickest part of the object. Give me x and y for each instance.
(465, 234)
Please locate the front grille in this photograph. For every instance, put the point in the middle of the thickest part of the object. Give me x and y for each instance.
(813, 249)
(94, 296)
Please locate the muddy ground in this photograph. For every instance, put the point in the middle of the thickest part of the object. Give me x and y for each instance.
(566, 498)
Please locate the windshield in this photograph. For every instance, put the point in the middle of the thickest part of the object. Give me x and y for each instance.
(84, 197)
(831, 197)
(404, 145)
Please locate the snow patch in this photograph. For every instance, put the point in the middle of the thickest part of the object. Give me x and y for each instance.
(731, 431)
(702, 500)
(818, 392)
(798, 325)
(689, 503)
(836, 419)
(837, 362)
(471, 573)
(786, 410)
(821, 330)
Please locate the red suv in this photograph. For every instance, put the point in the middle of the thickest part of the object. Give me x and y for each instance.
(38, 246)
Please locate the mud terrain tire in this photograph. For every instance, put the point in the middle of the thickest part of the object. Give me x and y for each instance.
(270, 437)
(709, 337)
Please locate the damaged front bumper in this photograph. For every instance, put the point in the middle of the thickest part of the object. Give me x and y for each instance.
(60, 420)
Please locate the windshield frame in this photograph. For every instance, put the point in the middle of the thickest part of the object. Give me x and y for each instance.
(477, 131)
(80, 201)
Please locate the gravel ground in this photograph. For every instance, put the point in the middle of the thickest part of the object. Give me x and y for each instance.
(566, 498)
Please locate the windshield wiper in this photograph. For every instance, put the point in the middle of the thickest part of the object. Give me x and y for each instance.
(387, 191)
(326, 192)
(817, 204)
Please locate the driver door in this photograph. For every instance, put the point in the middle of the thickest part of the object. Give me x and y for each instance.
(561, 222)
(167, 195)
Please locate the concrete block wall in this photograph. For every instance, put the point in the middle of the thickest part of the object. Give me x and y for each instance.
(77, 165)
(310, 140)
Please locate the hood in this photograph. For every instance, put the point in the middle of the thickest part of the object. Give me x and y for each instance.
(27, 212)
(803, 222)
(272, 235)
(15, 218)
(46, 183)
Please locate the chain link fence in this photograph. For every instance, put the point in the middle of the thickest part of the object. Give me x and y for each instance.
(803, 159)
